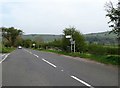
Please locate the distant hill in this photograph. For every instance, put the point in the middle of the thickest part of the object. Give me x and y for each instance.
(101, 38)
(42, 37)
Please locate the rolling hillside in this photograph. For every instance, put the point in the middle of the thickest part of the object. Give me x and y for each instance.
(42, 37)
(101, 38)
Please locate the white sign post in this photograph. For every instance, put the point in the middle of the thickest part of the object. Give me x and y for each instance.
(71, 41)
(33, 45)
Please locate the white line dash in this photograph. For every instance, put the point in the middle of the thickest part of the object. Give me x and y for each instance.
(4, 58)
(49, 63)
(30, 52)
(62, 70)
(83, 82)
(3, 55)
(36, 55)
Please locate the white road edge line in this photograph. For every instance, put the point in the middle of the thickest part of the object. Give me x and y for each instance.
(49, 63)
(83, 82)
(4, 58)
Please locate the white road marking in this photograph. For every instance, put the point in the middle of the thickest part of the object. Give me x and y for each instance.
(62, 70)
(49, 63)
(3, 55)
(83, 82)
(25, 49)
(30, 52)
(36, 55)
(4, 58)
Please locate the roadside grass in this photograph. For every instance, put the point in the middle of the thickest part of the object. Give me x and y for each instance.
(6, 49)
(106, 59)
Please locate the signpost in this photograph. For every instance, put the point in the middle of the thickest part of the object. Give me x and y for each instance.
(71, 41)
(68, 36)
(33, 45)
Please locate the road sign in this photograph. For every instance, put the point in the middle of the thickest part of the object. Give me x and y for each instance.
(68, 36)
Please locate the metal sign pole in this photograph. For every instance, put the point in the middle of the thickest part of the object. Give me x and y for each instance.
(74, 46)
(71, 47)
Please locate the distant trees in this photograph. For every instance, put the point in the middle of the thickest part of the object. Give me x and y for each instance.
(114, 14)
(10, 35)
(57, 44)
(77, 36)
(27, 43)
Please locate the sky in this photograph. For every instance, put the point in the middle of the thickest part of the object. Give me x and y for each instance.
(53, 16)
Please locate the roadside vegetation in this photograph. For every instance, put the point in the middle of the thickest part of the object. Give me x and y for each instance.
(106, 54)
(10, 39)
(7, 49)
(106, 59)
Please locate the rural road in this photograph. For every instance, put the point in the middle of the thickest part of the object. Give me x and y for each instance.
(26, 67)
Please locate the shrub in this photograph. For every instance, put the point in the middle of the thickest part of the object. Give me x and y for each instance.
(96, 49)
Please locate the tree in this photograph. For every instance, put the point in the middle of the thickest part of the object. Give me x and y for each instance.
(77, 36)
(114, 14)
(38, 41)
(11, 34)
(27, 43)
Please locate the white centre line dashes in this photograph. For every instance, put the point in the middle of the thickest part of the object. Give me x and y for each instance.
(49, 63)
(30, 52)
(83, 82)
(62, 70)
(36, 55)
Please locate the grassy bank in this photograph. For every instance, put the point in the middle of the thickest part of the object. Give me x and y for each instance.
(106, 59)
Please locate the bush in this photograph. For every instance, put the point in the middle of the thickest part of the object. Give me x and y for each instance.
(102, 50)
(112, 51)
(6, 49)
(96, 49)
(114, 59)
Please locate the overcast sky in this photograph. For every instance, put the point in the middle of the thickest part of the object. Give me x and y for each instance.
(52, 16)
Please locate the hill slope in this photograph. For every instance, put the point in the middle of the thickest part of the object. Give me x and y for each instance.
(42, 37)
(101, 38)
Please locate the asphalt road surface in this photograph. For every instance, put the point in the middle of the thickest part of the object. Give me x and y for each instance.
(26, 67)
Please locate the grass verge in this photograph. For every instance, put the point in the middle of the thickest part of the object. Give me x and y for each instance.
(6, 50)
(106, 59)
